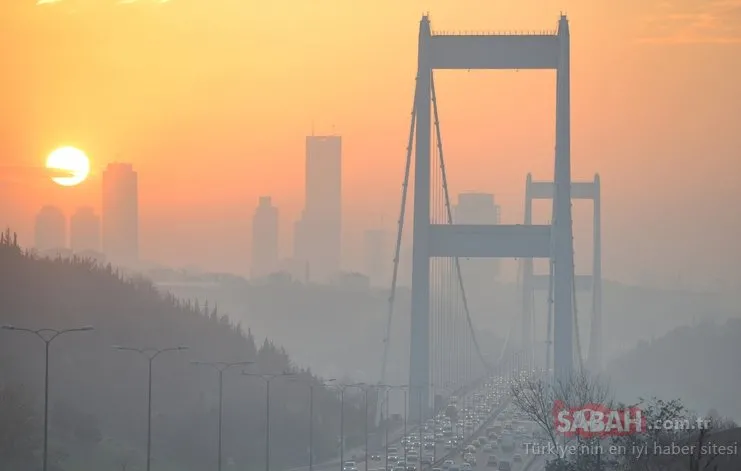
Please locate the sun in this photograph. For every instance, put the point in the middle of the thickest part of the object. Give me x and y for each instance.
(72, 162)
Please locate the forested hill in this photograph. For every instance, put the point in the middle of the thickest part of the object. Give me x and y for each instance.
(98, 395)
(698, 363)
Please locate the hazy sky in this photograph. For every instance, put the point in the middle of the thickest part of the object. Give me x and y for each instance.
(211, 100)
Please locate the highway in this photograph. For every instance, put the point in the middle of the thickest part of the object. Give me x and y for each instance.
(358, 453)
(500, 413)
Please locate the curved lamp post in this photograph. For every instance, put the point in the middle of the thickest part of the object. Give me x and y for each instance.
(267, 378)
(221, 366)
(47, 335)
(150, 354)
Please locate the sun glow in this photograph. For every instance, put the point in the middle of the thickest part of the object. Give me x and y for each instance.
(72, 162)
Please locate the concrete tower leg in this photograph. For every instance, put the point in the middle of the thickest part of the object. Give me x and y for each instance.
(419, 357)
(527, 277)
(595, 337)
(563, 349)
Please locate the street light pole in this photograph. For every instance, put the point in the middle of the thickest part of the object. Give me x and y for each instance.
(150, 354)
(267, 378)
(405, 427)
(386, 432)
(342, 388)
(221, 367)
(47, 335)
(366, 427)
(311, 421)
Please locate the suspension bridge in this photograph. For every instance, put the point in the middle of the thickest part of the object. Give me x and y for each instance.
(444, 348)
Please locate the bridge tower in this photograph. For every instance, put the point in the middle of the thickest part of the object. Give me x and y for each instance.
(490, 52)
(532, 282)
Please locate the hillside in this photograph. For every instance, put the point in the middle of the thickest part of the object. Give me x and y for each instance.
(697, 363)
(306, 318)
(98, 394)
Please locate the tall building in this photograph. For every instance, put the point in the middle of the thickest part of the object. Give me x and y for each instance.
(264, 239)
(120, 213)
(478, 208)
(377, 263)
(321, 223)
(51, 229)
(84, 230)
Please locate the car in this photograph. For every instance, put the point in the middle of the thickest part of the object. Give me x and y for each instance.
(349, 466)
(488, 448)
(375, 457)
(505, 466)
(491, 461)
(448, 464)
(466, 467)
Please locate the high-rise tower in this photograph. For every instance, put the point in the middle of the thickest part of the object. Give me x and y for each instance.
(51, 229)
(322, 217)
(121, 213)
(264, 238)
(84, 230)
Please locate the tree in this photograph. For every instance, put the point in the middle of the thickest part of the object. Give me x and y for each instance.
(538, 397)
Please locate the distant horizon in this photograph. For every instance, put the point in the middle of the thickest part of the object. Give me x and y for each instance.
(215, 129)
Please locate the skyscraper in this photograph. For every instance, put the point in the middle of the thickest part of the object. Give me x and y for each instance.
(478, 208)
(321, 222)
(264, 238)
(51, 229)
(84, 230)
(377, 264)
(120, 213)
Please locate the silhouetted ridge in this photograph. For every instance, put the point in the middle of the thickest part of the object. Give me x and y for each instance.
(698, 363)
(98, 394)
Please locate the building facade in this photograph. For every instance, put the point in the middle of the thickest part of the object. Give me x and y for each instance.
(121, 213)
(319, 240)
(265, 239)
(50, 231)
(84, 230)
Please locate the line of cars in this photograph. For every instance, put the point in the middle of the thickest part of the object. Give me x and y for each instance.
(501, 445)
(446, 432)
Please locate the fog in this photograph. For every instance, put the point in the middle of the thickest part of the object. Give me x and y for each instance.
(252, 252)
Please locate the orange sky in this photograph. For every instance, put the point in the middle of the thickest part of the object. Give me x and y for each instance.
(211, 100)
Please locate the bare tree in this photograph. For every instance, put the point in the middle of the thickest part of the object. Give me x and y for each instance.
(539, 397)
(670, 427)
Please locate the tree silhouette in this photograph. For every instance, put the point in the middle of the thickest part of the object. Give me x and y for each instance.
(106, 389)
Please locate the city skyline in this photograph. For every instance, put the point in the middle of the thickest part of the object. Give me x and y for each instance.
(653, 129)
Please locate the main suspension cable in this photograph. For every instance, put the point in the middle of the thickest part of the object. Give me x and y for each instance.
(450, 221)
(397, 252)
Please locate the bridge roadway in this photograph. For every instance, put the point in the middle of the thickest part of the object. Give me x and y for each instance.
(465, 394)
(528, 463)
(439, 453)
(523, 462)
